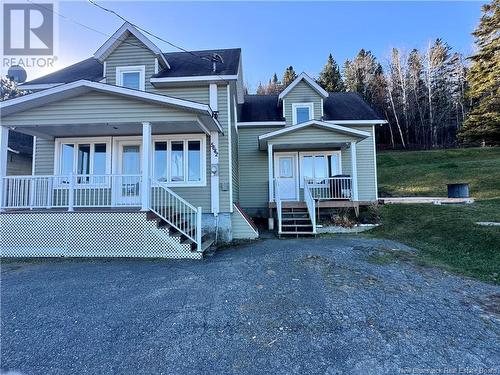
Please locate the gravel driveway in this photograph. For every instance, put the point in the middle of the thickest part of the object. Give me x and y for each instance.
(302, 306)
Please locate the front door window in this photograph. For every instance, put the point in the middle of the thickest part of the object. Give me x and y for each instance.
(286, 176)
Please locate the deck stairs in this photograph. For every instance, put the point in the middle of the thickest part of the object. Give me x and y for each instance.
(295, 221)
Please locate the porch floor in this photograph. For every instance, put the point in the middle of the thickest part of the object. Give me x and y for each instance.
(321, 204)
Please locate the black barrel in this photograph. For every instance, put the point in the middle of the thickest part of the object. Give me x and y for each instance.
(458, 190)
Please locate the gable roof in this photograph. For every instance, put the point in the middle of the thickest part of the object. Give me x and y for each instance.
(90, 69)
(264, 138)
(119, 37)
(257, 108)
(22, 103)
(338, 106)
(347, 106)
(304, 77)
(199, 63)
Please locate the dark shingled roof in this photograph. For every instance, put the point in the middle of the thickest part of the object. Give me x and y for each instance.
(338, 106)
(89, 69)
(182, 64)
(347, 106)
(198, 63)
(260, 108)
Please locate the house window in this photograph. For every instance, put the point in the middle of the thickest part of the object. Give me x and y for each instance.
(132, 77)
(317, 166)
(179, 161)
(302, 112)
(82, 157)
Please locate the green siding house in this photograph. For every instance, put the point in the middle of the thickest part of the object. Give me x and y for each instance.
(138, 152)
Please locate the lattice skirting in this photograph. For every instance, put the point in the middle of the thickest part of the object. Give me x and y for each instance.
(87, 234)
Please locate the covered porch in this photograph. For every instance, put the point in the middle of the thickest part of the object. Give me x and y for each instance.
(106, 147)
(311, 166)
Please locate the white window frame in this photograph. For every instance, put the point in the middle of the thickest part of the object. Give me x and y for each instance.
(117, 141)
(141, 69)
(318, 153)
(295, 106)
(81, 141)
(185, 139)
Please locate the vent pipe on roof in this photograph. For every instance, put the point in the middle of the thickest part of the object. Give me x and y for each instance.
(215, 59)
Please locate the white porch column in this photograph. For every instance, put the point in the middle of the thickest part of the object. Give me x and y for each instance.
(214, 171)
(4, 142)
(270, 170)
(146, 165)
(354, 172)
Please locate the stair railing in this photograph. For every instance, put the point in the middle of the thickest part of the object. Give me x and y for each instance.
(176, 211)
(311, 205)
(277, 199)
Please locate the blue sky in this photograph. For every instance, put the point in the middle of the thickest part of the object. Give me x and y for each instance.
(275, 35)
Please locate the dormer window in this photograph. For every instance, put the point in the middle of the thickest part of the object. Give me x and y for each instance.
(132, 77)
(302, 112)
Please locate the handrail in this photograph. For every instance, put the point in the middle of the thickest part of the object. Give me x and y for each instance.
(69, 191)
(311, 205)
(176, 211)
(330, 188)
(277, 199)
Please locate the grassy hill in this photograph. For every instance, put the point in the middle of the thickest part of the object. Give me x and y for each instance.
(447, 236)
(426, 173)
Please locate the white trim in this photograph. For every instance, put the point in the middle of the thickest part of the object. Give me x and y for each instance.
(33, 159)
(354, 172)
(322, 124)
(58, 142)
(318, 153)
(245, 219)
(322, 109)
(375, 162)
(357, 122)
(157, 68)
(162, 99)
(213, 98)
(39, 86)
(146, 165)
(309, 105)
(262, 123)
(309, 80)
(118, 38)
(13, 151)
(270, 167)
(297, 172)
(141, 69)
(214, 177)
(193, 79)
(230, 148)
(104, 67)
(283, 107)
(4, 144)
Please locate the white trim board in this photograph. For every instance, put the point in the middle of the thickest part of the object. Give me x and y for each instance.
(309, 80)
(356, 122)
(261, 123)
(193, 79)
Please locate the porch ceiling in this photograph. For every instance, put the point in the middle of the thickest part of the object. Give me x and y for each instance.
(108, 129)
(309, 146)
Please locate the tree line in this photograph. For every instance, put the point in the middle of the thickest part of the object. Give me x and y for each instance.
(431, 98)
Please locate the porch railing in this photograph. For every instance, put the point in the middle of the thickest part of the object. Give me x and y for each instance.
(330, 188)
(311, 205)
(71, 191)
(176, 211)
(277, 199)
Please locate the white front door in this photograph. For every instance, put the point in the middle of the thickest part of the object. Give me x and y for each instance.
(285, 171)
(128, 183)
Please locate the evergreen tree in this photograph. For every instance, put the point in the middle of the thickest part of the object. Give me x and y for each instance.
(289, 76)
(483, 121)
(261, 90)
(9, 90)
(330, 78)
(274, 86)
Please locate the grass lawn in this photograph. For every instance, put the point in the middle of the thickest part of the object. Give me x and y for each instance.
(426, 173)
(447, 235)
